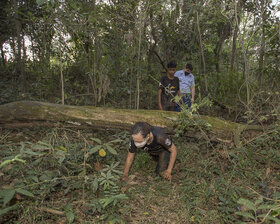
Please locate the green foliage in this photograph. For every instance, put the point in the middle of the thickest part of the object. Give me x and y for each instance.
(69, 213)
(104, 54)
(215, 176)
(208, 180)
(108, 146)
(260, 211)
(111, 197)
(142, 161)
(108, 180)
(56, 166)
(188, 122)
(7, 161)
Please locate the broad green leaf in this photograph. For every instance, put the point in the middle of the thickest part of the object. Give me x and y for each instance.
(95, 149)
(60, 155)
(96, 140)
(35, 178)
(103, 182)
(24, 192)
(103, 175)
(248, 204)
(115, 164)
(6, 210)
(95, 185)
(68, 208)
(111, 150)
(8, 196)
(70, 216)
(106, 201)
(246, 215)
(115, 141)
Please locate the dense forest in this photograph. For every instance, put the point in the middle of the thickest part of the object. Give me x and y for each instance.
(112, 54)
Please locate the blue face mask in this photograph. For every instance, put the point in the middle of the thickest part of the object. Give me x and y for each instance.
(186, 73)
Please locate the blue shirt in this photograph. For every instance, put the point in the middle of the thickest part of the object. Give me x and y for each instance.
(186, 81)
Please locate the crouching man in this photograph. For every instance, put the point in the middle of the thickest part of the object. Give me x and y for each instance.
(154, 141)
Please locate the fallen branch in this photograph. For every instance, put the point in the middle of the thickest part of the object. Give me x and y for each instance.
(52, 211)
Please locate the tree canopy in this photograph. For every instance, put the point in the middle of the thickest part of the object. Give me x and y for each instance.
(113, 53)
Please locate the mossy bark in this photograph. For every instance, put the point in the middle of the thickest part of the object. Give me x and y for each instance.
(112, 118)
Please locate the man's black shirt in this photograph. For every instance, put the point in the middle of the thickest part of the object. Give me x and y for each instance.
(160, 143)
(170, 88)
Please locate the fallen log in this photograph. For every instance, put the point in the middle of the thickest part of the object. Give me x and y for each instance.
(34, 113)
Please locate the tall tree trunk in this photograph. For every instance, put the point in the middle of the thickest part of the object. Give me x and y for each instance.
(142, 16)
(202, 52)
(130, 72)
(234, 38)
(3, 55)
(61, 77)
(262, 47)
(18, 55)
(233, 50)
(217, 52)
(138, 67)
(94, 64)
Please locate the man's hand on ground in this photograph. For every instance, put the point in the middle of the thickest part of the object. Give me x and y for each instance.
(125, 178)
(167, 175)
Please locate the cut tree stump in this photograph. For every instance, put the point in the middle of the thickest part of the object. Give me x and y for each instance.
(33, 113)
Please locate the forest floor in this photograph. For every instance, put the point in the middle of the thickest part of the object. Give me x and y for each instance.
(56, 175)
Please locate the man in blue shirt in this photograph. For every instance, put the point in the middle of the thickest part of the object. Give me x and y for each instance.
(187, 85)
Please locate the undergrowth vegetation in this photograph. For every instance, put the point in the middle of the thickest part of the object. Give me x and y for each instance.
(59, 171)
(59, 175)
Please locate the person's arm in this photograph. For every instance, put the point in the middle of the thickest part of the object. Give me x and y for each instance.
(159, 99)
(193, 93)
(180, 97)
(128, 162)
(179, 93)
(173, 155)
